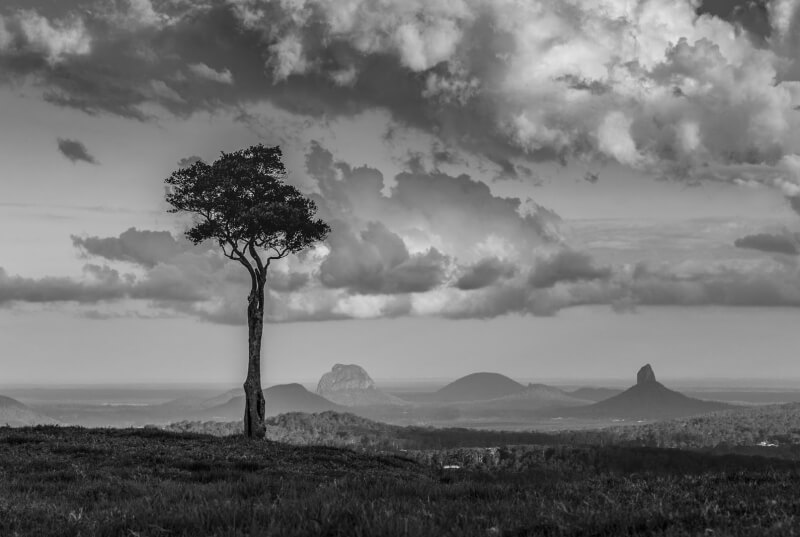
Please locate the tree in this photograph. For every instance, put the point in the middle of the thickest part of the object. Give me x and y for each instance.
(242, 202)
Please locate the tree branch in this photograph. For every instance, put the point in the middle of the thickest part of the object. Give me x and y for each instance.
(244, 261)
(262, 268)
(280, 254)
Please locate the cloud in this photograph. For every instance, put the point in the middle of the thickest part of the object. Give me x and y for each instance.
(457, 215)
(103, 285)
(188, 161)
(794, 203)
(377, 261)
(767, 242)
(202, 70)
(142, 247)
(55, 40)
(484, 273)
(675, 89)
(75, 151)
(566, 266)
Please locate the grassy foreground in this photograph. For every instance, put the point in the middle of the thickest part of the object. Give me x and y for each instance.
(86, 482)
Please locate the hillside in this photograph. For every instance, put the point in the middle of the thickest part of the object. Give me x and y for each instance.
(350, 430)
(279, 399)
(527, 403)
(591, 393)
(477, 387)
(775, 426)
(647, 399)
(16, 414)
(62, 481)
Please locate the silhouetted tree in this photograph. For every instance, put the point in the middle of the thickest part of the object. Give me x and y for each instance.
(242, 202)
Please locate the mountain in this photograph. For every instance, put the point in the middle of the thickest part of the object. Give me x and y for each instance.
(544, 395)
(525, 403)
(595, 394)
(478, 387)
(281, 399)
(15, 414)
(647, 399)
(350, 385)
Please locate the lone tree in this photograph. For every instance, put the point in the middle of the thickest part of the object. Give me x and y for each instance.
(241, 202)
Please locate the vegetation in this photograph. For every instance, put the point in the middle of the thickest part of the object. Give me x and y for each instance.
(241, 202)
(79, 482)
(773, 431)
(348, 430)
(774, 425)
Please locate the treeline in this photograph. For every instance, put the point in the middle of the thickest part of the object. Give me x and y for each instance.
(740, 430)
(777, 425)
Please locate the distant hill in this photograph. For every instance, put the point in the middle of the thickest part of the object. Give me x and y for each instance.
(478, 387)
(591, 393)
(544, 395)
(280, 399)
(525, 403)
(16, 414)
(647, 399)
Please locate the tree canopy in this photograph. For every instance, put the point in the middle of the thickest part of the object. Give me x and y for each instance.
(243, 203)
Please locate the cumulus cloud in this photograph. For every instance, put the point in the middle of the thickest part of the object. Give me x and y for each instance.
(55, 40)
(374, 275)
(377, 261)
(768, 242)
(75, 151)
(457, 215)
(680, 89)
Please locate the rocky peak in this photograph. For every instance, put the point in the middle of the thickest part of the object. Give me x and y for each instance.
(645, 375)
(345, 377)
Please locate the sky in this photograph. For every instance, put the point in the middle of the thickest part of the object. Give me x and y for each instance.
(546, 189)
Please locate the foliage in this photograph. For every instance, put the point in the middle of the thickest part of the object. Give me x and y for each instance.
(79, 482)
(243, 203)
(773, 424)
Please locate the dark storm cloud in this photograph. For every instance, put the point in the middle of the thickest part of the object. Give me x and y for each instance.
(143, 247)
(484, 273)
(75, 151)
(768, 242)
(566, 266)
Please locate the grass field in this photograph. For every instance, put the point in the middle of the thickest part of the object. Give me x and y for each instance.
(85, 482)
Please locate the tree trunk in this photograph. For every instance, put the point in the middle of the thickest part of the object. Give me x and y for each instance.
(255, 404)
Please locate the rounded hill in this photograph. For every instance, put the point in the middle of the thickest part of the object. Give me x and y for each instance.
(16, 414)
(479, 387)
(279, 400)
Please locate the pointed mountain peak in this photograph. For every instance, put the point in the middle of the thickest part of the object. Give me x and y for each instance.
(645, 375)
